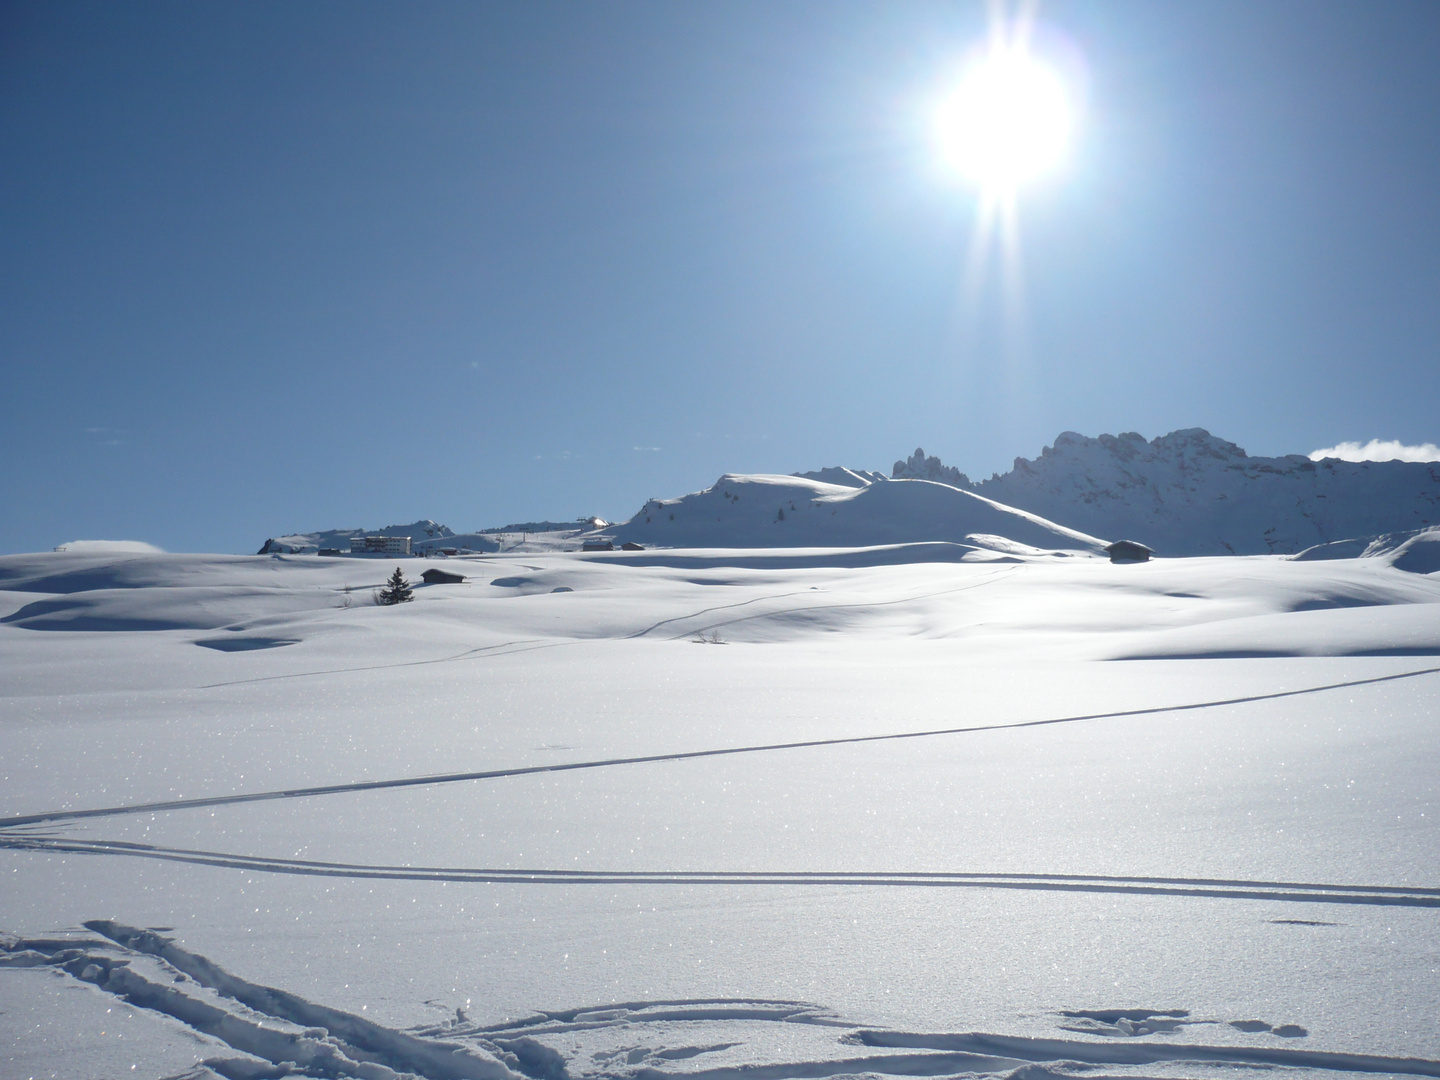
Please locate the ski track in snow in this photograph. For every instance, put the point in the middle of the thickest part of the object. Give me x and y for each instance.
(1218, 888)
(479, 653)
(858, 605)
(855, 606)
(685, 755)
(277, 1033)
(717, 607)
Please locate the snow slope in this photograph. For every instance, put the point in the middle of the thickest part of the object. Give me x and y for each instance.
(110, 547)
(1190, 493)
(840, 508)
(1417, 551)
(761, 814)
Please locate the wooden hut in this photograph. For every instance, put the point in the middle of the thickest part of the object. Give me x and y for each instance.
(1128, 551)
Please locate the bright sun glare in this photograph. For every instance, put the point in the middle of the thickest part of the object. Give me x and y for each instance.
(1007, 122)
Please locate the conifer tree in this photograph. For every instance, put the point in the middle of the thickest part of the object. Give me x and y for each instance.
(396, 591)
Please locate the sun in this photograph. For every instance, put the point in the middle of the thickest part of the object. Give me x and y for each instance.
(1007, 122)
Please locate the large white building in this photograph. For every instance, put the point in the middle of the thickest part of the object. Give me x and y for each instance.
(380, 545)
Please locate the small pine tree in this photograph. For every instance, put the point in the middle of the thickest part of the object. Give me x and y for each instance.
(396, 591)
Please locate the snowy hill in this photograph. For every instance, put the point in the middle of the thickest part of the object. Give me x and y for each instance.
(855, 478)
(1417, 552)
(847, 509)
(1190, 493)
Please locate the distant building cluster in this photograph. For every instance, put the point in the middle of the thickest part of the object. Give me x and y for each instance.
(380, 545)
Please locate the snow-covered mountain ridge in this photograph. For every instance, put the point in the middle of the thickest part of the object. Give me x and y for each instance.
(842, 508)
(1185, 493)
(1191, 493)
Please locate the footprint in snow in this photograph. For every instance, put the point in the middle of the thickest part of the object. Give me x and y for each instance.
(1285, 1031)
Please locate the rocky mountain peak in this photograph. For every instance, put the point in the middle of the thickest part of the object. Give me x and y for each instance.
(919, 467)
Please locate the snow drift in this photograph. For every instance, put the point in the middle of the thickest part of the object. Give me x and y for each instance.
(1417, 551)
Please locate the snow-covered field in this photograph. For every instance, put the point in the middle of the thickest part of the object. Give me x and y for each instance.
(923, 810)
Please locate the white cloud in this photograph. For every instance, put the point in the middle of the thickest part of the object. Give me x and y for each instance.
(1379, 450)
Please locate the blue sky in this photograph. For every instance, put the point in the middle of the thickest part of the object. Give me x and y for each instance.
(279, 267)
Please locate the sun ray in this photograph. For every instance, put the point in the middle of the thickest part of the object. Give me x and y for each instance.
(1007, 120)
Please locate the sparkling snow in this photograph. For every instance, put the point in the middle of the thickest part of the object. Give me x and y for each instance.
(1049, 816)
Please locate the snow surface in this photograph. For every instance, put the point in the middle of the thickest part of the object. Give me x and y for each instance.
(1417, 551)
(907, 810)
(110, 547)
